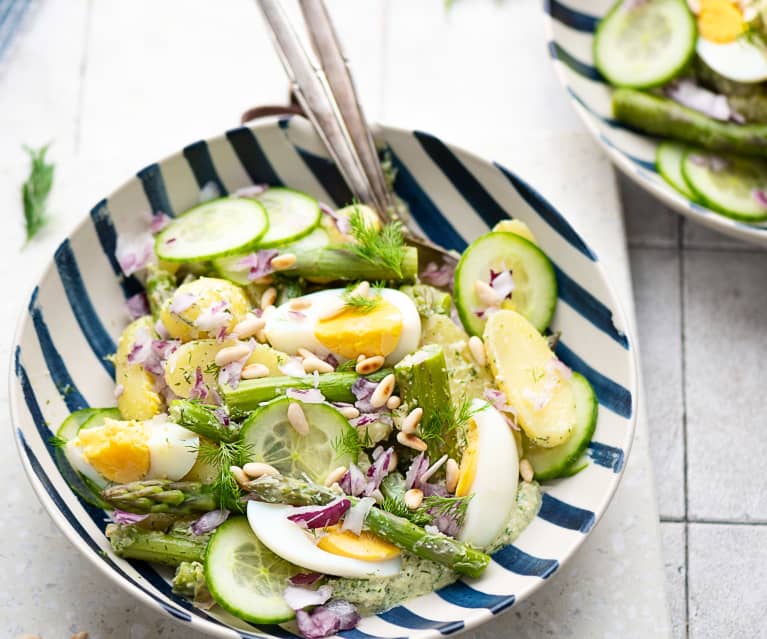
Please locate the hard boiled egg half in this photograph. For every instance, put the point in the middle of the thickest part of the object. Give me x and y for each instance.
(724, 41)
(489, 471)
(330, 551)
(391, 327)
(125, 451)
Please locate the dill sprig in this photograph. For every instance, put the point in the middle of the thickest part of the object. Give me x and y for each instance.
(385, 247)
(454, 507)
(349, 442)
(35, 191)
(443, 423)
(359, 302)
(396, 506)
(57, 442)
(222, 457)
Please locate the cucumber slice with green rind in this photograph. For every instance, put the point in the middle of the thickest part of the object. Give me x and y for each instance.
(244, 576)
(99, 415)
(727, 184)
(292, 215)
(560, 461)
(214, 228)
(668, 159)
(535, 285)
(71, 425)
(645, 45)
(274, 441)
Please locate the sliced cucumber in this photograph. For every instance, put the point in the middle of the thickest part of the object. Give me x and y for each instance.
(71, 425)
(727, 184)
(275, 442)
(244, 576)
(292, 215)
(99, 415)
(535, 286)
(213, 229)
(668, 159)
(646, 44)
(231, 266)
(562, 460)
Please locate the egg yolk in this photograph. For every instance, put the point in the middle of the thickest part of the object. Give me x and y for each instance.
(468, 468)
(365, 546)
(117, 450)
(353, 332)
(720, 21)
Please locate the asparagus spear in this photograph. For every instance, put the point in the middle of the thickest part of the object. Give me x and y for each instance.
(428, 300)
(664, 117)
(337, 387)
(329, 264)
(160, 285)
(396, 530)
(169, 548)
(161, 496)
(189, 581)
(201, 419)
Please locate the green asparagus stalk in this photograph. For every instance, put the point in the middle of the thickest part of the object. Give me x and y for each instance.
(288, 290)
(199, 418)
(337, 387)
(161, 496)
(428, 300)
(666, 118)
(159, 287)
(396, 530)
(329, 264)
(170, 548)
(189, 581)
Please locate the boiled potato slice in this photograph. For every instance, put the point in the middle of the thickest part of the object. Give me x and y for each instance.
(518, 227)
(138, 400)
(269, 357)
(181, 366)
(207, 291)
(525, 370)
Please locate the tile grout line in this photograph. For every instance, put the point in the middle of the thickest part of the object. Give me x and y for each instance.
(685, 476)
(706, 521)
(652, 246)
(83, 72)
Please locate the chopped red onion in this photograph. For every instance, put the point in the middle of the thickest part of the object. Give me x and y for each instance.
(417, 468)
(760, 195)
(447, 522)
(119, 390)
(355, 517)
(292, 368)
(364, 419)
(378, 470)
(433, 490)
(438, 275)
(222, 416)
(503, 284)
(138, 306)
(306, 395)
(254, 190)
(159, 221)
(316, 379)
(539, 400)
(354, 482)
(689, 94)
(159, 327)
(305, 578)
(498, 401)
(326, 620)
(299, 598)
(142, 346)
(209, 521)
(182, 301)
(331, 359)
(431, 470)
(230, 373)
(341, 221)
(555, 365)
(199, 389)
(258, 264)
(209, 191)
(122, 517)
(133, 252)
(320, 516)
(296, 315)
(363, 390)
(214, 317)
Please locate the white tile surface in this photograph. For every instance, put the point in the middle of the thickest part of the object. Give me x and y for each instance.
(674, 538)
(648, 222)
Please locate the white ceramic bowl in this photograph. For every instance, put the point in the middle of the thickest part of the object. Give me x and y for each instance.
(77, 311)
(570, 26)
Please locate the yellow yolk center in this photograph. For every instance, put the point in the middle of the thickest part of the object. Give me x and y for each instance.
(352, 332)
(117, 450)
(366, 546)
(720, 21)
(468, 469)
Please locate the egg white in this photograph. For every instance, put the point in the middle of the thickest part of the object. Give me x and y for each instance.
(740, 60)
(74, 454)
(288, 331)
(271, 525)
(494, 488)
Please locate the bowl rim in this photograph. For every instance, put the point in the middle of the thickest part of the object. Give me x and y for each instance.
(218, 629)
(753, 233)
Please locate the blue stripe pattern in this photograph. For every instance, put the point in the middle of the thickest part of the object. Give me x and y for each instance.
(252, 157)
(565, 515)
(647, 165)
(463, 595)
(576, 20)
(607, 456)
(10, 21)
(95, 334)
(401, 616)
(105, 230)
(327, 174)
(154, 189)
(581, 68)
(521, 563)
(198, 157)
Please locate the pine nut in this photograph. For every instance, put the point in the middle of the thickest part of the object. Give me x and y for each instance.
(369, 365)
(486, 294)
(305, 353)
(261, 336)
(333, 308)
(335, 476)
(411, 441)
(362, 289)
(268, 298)
(383, 391)
(249, 326)
(413, 498)
(281, 262)
(451, 475)
(266, 280)
(393, 402)
(526, 470)
(314, 363)
(477, 349)
(231, 354)
(393, 460)
(258, 469)
(299, 304)
(350, 412)
(297, 419)
(254, 371)
(410, 423)
(239, 475)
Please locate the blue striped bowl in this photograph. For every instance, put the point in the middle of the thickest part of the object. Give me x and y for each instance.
(571, 26)
(75, 314)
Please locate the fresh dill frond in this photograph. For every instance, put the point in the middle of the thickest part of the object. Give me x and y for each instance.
(443, 423)
(362, 303)
(222, 457)
(396, 506)
(35, 191)
(57, 442)
(349, 443)
(454, 507)
(385, 247)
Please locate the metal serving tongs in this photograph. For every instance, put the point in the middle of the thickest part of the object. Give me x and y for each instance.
(329, 99)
